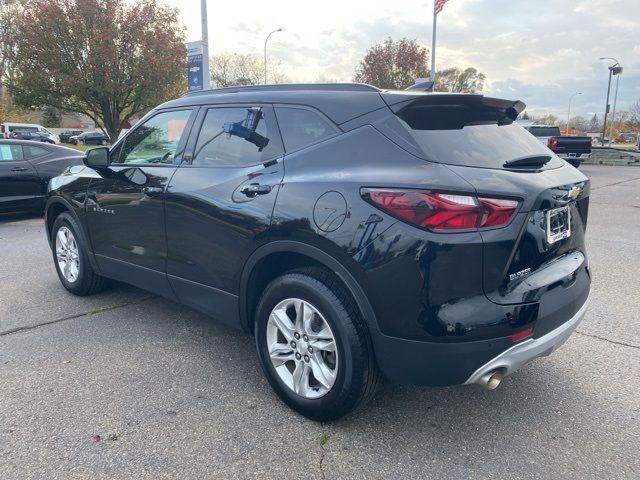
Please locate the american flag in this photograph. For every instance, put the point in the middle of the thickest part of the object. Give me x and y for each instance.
(439, 5)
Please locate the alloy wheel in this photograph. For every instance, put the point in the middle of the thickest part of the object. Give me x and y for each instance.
(67, 254)
(302, 348)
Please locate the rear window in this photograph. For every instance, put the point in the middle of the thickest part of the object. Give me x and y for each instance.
(457, 136)
(544, 131)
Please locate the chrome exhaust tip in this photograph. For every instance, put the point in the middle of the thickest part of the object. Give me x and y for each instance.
(491, 380)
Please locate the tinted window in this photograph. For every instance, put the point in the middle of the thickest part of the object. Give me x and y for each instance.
(10, 152)
(24, 129)
(156, 140)
(226, 137)
(471, 137)
(35, 151)
(544, 131)
(302, 127)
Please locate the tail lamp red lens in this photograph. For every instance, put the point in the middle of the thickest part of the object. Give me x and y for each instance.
(442, 211)
(522, 334)
(552, 143)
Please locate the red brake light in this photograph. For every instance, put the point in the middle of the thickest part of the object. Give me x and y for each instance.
(442, 211)
(552, 143)
(522, 334)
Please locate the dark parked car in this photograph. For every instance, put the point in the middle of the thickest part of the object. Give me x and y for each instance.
(25, 170)
(67, 134)
(90, 138)
(354, 231)
(32, 135)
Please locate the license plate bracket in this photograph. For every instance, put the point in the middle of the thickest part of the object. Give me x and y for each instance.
(558, 224)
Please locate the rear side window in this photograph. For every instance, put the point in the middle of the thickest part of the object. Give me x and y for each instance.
(301, 127)
(35, 151)
(544, 131)
(10, 153)
(236, 136)
(471, 137)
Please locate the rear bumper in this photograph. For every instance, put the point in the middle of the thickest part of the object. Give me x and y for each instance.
(455, 363)
(576, 157)
(515, 357)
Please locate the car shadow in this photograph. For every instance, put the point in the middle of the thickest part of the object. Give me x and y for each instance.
(17, 217)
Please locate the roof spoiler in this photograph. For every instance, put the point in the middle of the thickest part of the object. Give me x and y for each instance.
(452, 110)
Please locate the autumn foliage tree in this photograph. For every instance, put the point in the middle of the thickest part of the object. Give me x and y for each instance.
(109, 59)
(9, 12)
(393, 64)
(458, 80)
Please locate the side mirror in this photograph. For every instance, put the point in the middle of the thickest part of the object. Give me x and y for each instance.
(97, 158)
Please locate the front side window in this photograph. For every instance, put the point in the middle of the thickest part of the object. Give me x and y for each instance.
(301, 127)
(156, 140)
(236, 136)
(9, 153)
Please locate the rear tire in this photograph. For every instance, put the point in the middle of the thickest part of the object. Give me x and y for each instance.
(350, 365)
(70, 257)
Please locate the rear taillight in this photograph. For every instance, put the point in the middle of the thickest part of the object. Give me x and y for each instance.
(442, 211)
(522, 334)
(552, 143)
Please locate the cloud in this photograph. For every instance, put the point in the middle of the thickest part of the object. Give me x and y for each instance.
(540, 52)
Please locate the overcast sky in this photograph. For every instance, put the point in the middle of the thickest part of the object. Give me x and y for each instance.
(538, 51)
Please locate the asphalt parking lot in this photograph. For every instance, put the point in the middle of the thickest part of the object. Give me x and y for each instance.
(129, 385)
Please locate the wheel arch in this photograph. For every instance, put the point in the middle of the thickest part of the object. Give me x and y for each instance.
(58, 205)
(285, 255)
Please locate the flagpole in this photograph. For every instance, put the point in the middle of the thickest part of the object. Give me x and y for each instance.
(433, 48)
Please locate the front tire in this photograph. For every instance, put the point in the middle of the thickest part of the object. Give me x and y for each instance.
(314, 346)
(71, 259)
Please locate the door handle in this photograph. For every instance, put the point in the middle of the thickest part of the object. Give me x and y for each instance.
(254, 189)
(151, 191)
(19, 169)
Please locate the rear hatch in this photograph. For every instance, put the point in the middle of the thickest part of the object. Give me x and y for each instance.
(540, 255)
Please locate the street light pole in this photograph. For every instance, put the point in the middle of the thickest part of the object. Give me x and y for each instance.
(265, 53)
(606, 108)
(206, 75)
(569, 111)
(613, 114)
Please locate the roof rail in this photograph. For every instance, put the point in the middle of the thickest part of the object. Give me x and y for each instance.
(284, 87)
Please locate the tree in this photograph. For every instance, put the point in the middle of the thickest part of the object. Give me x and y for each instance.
(549, 119)
(393, 64)
(525, 116)
(109, 59)
(634, 115)
(594, 124)
(51, 117)
(458, 80)
(9, 12)
(579, 123)
(237, 69)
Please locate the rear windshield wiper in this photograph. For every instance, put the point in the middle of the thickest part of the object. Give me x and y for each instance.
(529, 161)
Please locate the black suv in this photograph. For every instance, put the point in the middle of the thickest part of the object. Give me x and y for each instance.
(67, 134)
(356, 232)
